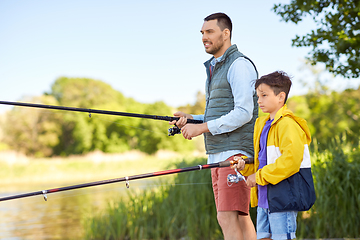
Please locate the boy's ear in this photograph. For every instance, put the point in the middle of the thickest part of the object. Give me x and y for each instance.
(282, 96)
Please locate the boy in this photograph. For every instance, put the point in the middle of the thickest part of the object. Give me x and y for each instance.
(280, 177)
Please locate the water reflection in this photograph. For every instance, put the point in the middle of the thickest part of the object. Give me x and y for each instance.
(61, 216)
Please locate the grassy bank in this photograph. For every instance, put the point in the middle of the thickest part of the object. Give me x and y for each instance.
(18, 171)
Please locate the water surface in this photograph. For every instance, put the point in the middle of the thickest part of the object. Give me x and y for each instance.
(61, 216)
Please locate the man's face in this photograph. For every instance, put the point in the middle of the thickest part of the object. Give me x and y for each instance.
(212, 38)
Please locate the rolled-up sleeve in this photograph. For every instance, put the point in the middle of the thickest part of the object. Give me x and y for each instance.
(198, 117)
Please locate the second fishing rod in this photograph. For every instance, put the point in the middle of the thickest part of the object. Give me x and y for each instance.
(232, 178)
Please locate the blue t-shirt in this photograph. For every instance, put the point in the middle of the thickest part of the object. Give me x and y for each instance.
(262, 190)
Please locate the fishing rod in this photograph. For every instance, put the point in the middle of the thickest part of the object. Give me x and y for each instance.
(127, 179)
(171, 131)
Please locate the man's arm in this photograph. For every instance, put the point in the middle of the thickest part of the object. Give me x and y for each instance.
(241, 78)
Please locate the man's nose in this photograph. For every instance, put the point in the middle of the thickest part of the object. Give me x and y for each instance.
(204, 37)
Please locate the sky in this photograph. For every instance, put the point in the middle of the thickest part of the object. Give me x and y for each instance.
(148, 50)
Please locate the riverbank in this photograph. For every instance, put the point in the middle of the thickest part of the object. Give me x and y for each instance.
(62, 216)
(17, 170)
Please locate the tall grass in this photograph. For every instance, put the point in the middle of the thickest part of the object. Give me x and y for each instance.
(183, 209)
(336, 212)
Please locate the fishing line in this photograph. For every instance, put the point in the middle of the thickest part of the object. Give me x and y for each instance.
(121, 190)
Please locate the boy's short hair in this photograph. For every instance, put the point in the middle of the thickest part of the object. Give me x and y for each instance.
(278, 81)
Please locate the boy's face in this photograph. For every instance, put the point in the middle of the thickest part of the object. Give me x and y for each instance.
(268, 101)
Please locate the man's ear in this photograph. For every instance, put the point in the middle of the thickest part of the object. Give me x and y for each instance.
(226, 33)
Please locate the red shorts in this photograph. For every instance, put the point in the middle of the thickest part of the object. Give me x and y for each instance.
(232, 196)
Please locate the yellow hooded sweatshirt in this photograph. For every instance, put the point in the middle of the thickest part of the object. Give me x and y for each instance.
(287, 154)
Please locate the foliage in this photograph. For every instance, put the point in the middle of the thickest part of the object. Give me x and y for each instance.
(335, 213)
(46, 133)
(43, 133)
(85, 93)
(184, 209)
(336, 41)
(330, 114)
(33, 131)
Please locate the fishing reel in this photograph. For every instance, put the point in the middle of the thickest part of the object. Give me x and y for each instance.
(235, 178)
(174, 130)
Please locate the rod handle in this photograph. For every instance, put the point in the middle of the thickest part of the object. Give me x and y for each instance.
(224, 164)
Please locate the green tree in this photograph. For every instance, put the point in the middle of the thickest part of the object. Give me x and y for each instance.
(334, 115)
(85, 93)
(44, 133)
(82, 133)
(336, 41)
(153, 135)
(330, 114)
(32, 131)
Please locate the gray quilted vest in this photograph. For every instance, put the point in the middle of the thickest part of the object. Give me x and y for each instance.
(220, 101)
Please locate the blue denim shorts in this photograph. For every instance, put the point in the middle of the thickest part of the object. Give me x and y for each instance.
(277, 225)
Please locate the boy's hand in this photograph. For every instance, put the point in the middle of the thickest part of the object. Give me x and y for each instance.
(240, 163)
(251, 181)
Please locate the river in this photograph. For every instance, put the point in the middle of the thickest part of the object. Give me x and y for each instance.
(61, 216)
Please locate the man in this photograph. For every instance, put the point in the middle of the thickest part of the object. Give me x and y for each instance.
(231, 110)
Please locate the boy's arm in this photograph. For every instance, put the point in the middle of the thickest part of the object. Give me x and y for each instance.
(246, 167)
(291, 148)
(248, 170)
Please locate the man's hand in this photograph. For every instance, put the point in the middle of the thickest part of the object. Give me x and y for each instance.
(251, 181)
(193, 130)
(188, 130)
(183, 119)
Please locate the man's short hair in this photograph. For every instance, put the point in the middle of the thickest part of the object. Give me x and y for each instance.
(223, 21)
(278, 81)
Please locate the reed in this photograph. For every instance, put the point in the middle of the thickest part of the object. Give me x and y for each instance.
(336, 212)
(182, 209)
